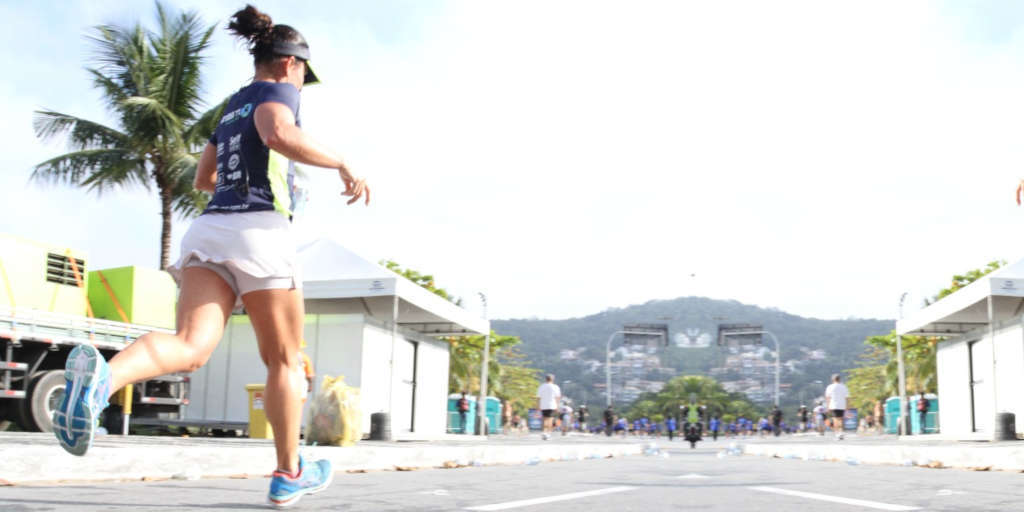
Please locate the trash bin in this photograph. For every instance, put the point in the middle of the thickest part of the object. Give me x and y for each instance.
(259, 427)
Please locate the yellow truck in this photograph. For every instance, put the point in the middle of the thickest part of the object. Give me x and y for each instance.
(50, 302)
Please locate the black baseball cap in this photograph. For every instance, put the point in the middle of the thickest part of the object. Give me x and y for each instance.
(301, 51)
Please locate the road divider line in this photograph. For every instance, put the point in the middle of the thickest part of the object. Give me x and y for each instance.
(836, 499)
(550, 499)
(692, 476)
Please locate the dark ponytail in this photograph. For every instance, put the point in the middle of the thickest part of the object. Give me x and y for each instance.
(257, 29)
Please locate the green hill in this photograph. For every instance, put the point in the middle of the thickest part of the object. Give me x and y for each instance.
(543, 341)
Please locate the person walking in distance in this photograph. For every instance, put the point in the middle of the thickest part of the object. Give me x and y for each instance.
(776, 421)
(609, 420)
(714, 425)
(819, 417)
(670, 426)
(463, 407)
(506, 416)
(922, 411)
(548, 397)
(581, 417)
(241, 249)
(803, 415)
(837, 395)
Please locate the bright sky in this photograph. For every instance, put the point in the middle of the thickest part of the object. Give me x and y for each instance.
(566, 157)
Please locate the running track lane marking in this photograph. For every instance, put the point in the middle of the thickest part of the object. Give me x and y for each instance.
(550, 499)
(837, 499)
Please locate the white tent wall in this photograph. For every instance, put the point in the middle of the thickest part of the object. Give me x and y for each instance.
(969, 358)
(352, 345)
(1009, 339)
(335, 345)
(375, 370)
(954, 378)
(432, 386)
(980, 366)
(221, 381)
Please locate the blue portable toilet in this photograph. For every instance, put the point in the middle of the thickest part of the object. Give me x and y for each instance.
(931, 425)
(892, 415)
(455, 425)
(493, 413)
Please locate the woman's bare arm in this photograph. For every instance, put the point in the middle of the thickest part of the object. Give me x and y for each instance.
(276, 126)
(206, 170)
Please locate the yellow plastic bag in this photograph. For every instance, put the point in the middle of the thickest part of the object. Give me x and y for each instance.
(335, 417)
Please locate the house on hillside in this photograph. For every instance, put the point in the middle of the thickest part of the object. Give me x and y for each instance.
(980, 363)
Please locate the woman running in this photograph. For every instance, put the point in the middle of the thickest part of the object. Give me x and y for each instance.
(240, 249)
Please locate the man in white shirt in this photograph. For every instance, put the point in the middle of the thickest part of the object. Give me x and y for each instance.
(836, 395)
(548, 397)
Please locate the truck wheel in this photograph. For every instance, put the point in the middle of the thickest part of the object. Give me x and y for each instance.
(45, 395)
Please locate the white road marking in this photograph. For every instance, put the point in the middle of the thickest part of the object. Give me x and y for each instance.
(948, 492)
(837, 499)
(551, 499)
(692, 476)
(438, 492)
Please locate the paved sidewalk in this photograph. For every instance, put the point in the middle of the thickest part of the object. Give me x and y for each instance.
(890, 450)
(30, 458)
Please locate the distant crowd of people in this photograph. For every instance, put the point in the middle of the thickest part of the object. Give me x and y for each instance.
(558, 416)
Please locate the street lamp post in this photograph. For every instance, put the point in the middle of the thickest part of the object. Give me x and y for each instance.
(901, 370)
(481, 403)
(608, 360)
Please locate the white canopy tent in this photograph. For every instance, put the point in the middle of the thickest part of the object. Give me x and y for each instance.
(967, 309)
(980, 363)
(330, 271)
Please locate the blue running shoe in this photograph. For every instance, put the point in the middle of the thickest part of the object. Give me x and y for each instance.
(86, 391)
(285, 491)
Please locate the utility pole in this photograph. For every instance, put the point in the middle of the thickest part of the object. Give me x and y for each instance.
(904, 413)
(481, 403)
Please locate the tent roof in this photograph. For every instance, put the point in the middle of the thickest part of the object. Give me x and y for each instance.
(967, 309)
(330, 271)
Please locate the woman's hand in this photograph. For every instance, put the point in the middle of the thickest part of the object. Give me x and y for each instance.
(1020, 188)
(354, 187)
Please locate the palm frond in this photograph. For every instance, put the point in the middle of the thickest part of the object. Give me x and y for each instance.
(200, 131)
(179, 46)
(82, 133)
(123, 54)
(96, 169)
(158, 119)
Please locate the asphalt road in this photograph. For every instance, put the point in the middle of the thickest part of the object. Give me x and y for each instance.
(686, 480)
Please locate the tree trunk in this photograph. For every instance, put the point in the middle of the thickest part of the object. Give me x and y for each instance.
(165, 228)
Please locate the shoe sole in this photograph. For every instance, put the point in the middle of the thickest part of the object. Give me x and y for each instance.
(299, 494)
(81, 373)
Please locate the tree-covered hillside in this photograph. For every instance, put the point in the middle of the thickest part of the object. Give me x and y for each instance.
(543, 341)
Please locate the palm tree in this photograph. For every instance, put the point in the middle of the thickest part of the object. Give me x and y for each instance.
(150, 82)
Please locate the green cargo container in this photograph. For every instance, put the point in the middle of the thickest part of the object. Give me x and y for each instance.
(146, 296)
(35, 275)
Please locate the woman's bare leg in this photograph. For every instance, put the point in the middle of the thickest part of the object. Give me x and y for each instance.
(204, 305)
(277, 317)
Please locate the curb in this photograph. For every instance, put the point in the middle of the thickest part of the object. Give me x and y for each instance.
(37, 465)
(978, 458)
